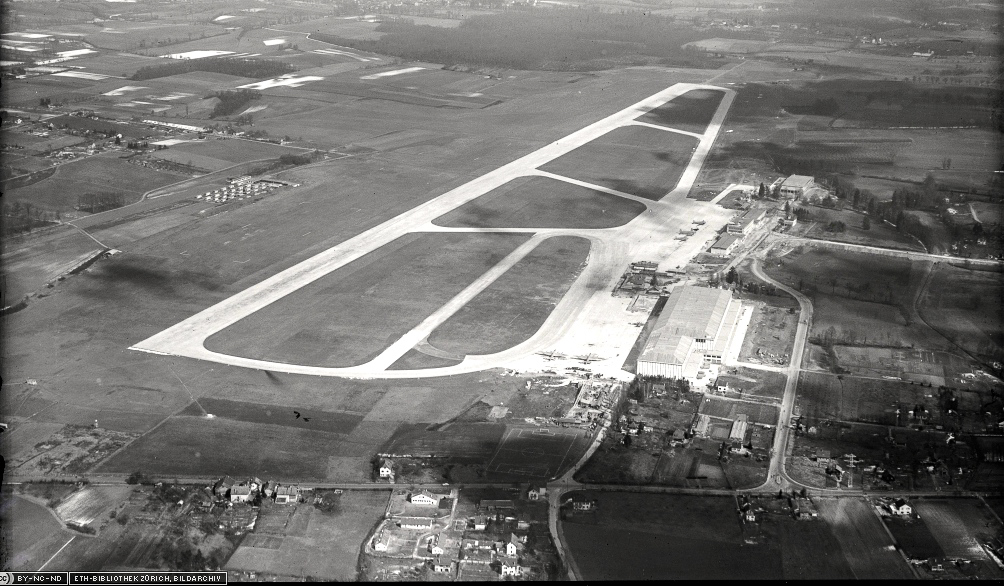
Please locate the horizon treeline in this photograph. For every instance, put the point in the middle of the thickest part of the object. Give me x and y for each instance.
(564, 40)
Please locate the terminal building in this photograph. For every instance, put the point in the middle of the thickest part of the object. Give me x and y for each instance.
(795, 186)
(697, 325)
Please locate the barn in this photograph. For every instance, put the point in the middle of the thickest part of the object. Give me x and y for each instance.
(696, 325)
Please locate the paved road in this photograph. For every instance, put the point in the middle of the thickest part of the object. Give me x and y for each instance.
(776, 476)
(611, 250)
(911, 254)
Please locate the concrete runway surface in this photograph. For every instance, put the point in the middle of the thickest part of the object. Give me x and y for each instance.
(587, 320)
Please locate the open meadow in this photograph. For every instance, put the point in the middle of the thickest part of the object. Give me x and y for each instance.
(691, 112)
(32, 261)
(367, 303)
(38, 537)
(542, 202)
(514, 307)
(964, 306)
(100, 175)
(636, 160)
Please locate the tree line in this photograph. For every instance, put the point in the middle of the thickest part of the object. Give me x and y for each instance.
(252, 68)
(563, 40)
(232, 101)
(22, 217)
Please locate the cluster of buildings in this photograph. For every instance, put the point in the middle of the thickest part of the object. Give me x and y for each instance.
(239, 189)
(643, 277)
(248, 491)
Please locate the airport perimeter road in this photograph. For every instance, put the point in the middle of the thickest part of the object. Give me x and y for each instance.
(910, 254)
(611, 249)
(776, 476)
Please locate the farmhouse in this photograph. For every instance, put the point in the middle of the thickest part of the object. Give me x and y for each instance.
(795, 186)
(509, 566)
(515, 545)
(223, 486)
(441, 566)
(697, 324)
(240, 493)
(386, 469)
(900, 507)
(287, 495)
(415, 523)
(423, 498)
(480, 523)
(535, 494)
(725, 244)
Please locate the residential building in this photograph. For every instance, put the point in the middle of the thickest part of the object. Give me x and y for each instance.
(480, 523)
(386, 469)
(515, 545)
(415, 523)
(795, 186)
(900, 507)
(442, 566)
(240, 493)
(287, 495)
(222, 487)
(509, 566)
(696, 325)
(535, 494)
(423, 498)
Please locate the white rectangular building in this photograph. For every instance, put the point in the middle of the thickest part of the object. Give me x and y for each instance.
(697, 324)
(795, 186)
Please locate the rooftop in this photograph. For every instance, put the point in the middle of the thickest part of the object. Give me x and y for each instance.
(798, 181)
(690, 313)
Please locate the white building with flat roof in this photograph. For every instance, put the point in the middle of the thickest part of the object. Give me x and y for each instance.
(795, 186)
(696, 325)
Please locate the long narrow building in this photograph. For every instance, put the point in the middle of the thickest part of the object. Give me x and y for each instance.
(696, 325)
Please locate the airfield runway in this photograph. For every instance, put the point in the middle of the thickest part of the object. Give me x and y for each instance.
(580, 320)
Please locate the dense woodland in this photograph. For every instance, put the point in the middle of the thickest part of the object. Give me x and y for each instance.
(232, 101)
(252, 68)
(564, 40)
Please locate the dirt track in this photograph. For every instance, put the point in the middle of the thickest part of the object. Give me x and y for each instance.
(580, 321)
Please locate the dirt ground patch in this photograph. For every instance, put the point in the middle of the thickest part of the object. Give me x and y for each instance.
(641, 161)
(770, 336)
(542, 202)
(514, 307)
(378, 297)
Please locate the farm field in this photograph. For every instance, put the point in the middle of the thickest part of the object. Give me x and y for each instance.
(963, 305)
(99, 175)
(641, 536)
(319, 544)
(542, 202)
(771, 333)
(514, 307)
(182, 446)
(31, 261)
(326, 421)
(959, 526)
(653, 159)
(90, 504)
(39, 534)
(393, 289)
(691, 112)
(862, 539)
(536, 453)
(474, 442)
(220, 154)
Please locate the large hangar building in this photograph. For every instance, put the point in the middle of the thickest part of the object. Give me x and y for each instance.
(696, 325)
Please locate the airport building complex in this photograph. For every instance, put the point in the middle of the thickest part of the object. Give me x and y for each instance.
(696, 326)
